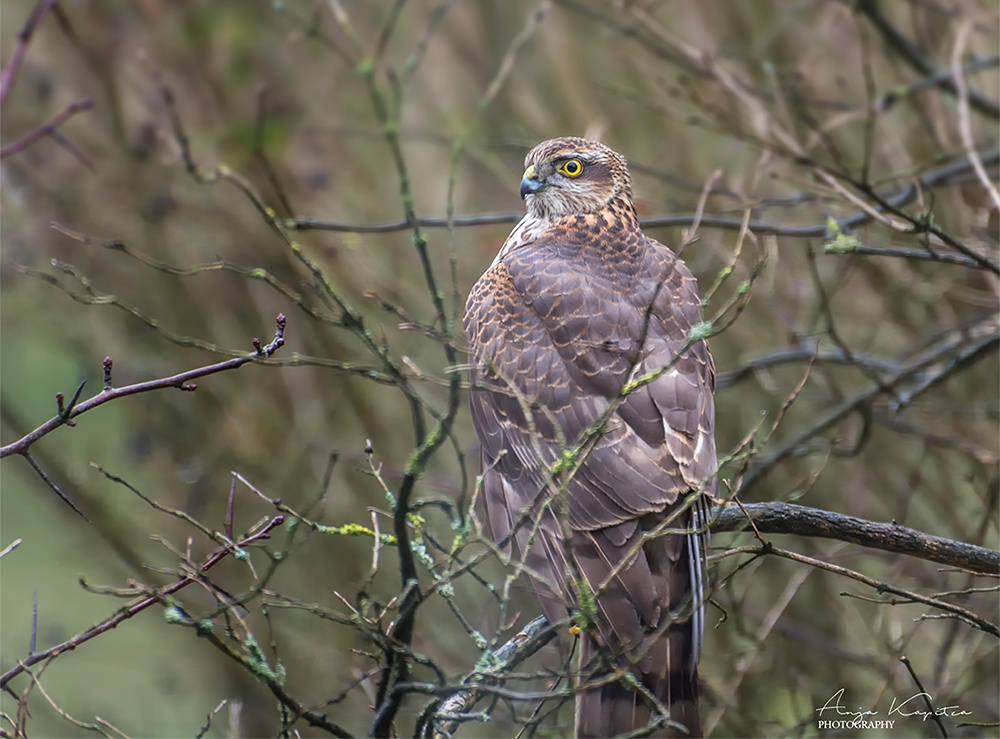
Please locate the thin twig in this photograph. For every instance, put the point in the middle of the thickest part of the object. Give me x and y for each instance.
(23, 39)
(926, 696)
(964, 124)
(46, 129)
(180, 381)
(913, 56)
(138, 606)
(936, 177)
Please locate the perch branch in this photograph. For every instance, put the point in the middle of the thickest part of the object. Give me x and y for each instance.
(442, 718)
(786, 518)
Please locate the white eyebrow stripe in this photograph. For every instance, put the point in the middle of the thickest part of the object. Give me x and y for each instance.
(589, 157)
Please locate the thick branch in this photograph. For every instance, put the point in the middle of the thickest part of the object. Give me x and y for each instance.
(529, 640)
(769, 518)
(786, 518)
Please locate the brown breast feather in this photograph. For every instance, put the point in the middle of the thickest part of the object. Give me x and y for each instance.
(556, 330)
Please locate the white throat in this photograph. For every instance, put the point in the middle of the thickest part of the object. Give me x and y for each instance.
(527, 230)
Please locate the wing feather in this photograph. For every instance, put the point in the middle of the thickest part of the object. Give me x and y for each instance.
(557, 329)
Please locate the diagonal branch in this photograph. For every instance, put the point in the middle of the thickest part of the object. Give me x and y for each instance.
(49, 128)
(138, 606)
(23, 39)
(180, 381)
(443, 718)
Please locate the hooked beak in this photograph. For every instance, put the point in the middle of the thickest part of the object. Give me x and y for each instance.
(530, 184)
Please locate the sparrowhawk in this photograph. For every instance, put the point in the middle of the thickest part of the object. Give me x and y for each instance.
(594, 407)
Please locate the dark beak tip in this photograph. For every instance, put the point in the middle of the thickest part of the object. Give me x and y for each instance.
(529, 187)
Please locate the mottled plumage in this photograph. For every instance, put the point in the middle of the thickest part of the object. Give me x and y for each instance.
(577, 303)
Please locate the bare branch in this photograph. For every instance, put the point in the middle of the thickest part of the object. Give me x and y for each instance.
(787, 518)
(138, 606)
(882, 587)
(913, 56)
(46, 129)
(181, 382)
(934, 178)
(23, 39)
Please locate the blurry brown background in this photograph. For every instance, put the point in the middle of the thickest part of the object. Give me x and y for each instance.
(498, 76)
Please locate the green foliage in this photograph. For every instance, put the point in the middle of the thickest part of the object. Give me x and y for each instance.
(841, 243)
(174, 615)
(259, 664)
(355, 529)
(565, 463)
(586, 616)
(702, 329)
(925, 219)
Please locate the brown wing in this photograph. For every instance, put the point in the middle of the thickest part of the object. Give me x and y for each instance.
(556, 330)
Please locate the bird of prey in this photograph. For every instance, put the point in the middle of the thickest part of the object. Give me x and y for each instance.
(593, 404)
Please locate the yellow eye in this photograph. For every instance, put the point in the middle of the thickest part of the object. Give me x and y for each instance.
(571, 168)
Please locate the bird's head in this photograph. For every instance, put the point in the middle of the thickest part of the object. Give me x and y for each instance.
(570, 176)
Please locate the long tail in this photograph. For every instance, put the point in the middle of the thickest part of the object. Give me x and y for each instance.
(615, 708)
(668, 668)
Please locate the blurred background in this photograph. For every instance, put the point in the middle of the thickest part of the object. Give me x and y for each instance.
(778, 112)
